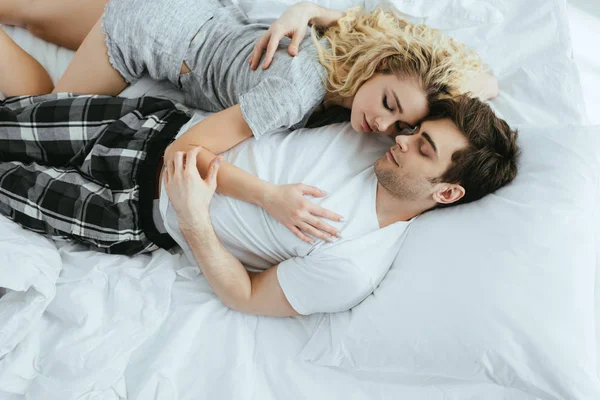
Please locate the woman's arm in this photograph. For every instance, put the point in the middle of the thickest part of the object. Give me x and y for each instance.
(287, 204)
(216, 134)
(20, 74)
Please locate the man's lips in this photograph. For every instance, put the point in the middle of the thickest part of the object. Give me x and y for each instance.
(391, 157)
(365, 124)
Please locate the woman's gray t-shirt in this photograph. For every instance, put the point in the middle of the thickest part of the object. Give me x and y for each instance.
(284, 95)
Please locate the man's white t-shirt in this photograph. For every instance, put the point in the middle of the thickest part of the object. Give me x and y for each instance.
(320, 277)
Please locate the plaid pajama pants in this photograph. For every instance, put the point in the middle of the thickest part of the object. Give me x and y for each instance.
(84, 167)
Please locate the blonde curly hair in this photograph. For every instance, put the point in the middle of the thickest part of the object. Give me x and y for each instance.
(362, 44)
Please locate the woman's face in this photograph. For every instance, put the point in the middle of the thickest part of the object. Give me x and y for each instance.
(388, 104)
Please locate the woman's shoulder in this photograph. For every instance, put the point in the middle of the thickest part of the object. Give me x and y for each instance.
(303, 72)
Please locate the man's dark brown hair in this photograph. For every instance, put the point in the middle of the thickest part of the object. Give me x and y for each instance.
(490, 159)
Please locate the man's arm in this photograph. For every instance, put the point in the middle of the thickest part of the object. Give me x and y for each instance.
(240, 290)
(190, 196)
(20, 74)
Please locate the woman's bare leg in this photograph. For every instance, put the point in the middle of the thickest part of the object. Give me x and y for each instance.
(90, 71)
(20, 74)
(63, 22)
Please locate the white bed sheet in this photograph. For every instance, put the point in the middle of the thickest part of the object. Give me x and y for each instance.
(113, 327)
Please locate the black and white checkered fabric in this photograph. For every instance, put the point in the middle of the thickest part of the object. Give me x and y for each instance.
(84, 167)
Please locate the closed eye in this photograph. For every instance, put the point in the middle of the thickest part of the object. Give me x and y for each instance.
(423, 145)
(386, 104)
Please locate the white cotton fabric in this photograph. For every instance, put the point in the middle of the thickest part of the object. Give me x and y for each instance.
(77, 341)
(320, 277)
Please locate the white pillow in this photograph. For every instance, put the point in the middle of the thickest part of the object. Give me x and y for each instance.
(440, 14)
(500, 290)
(445, 14)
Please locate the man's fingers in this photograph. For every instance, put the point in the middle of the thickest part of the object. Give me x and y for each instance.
(213, 169)
(296, 40)
(191, 159)
(171, 167)
(165, 177)
(177, 162)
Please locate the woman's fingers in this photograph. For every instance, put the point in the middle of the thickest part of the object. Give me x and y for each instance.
(323, 227)
(311, 230)
(312, 190)
(300, 235)
(259, 48)
(276, 37)
(296, 40)
(319, 211)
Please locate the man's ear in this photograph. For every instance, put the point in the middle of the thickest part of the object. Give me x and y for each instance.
(447, 193)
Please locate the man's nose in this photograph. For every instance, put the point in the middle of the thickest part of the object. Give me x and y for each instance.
(402, 142)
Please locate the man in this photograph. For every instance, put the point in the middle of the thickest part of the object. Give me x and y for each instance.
(459, 154)
(84, 167)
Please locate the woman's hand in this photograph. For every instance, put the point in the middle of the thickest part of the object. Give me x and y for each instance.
(287, 204)
(482, 85)
(293, 23)
(189, 194)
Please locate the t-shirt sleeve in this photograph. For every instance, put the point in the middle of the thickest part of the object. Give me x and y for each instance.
(273, 103)
(279, 101)
(322, 283)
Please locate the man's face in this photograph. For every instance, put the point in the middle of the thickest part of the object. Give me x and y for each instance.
(407, 168)
(388, 104)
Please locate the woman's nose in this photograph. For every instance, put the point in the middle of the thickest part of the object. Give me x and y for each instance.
(384, 123)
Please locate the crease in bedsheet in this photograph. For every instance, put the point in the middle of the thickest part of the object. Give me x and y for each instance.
(29, 267)
(81, 351)
(105, 316)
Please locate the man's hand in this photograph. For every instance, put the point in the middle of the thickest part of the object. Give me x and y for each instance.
(189, 194)
(293, 23)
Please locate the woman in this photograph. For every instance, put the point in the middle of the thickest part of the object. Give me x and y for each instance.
(383, 69)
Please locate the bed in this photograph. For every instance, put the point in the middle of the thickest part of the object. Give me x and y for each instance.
(75, 324)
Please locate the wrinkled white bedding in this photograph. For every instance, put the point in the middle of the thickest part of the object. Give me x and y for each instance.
(76, 324)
